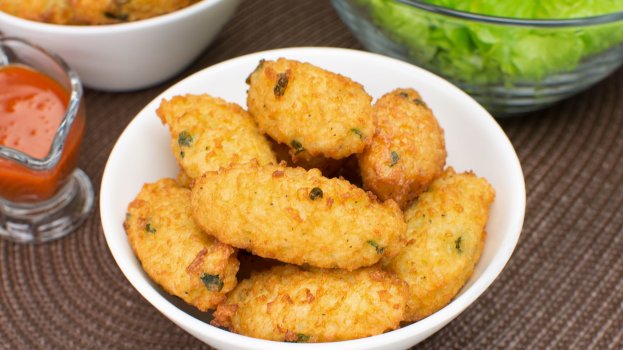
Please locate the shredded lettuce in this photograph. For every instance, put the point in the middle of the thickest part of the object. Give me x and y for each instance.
(480, 53)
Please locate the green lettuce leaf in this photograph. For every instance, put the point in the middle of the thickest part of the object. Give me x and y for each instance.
(481, 53)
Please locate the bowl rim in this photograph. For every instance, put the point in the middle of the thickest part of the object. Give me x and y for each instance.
(396, 337)
(514, 21)
(86, 30)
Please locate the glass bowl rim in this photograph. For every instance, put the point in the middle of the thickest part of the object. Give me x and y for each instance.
(62, 132)
(512, 21)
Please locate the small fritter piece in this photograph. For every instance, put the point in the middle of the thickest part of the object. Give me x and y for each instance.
(291, 304)
(327, 166)
(407, 151)
(208, 133)
(446, 233)
(174, 251)
(313, 111)
(90, 12)
(297, 216)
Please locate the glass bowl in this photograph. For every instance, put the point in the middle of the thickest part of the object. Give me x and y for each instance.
(510, 65)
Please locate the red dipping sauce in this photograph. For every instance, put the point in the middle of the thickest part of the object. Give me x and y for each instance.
(32, 106)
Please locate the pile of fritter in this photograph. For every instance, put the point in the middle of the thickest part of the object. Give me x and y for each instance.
(341, 212)
(90, 12)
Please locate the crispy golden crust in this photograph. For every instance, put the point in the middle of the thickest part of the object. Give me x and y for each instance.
(290, 304)
(297, 216)
(88, 12)
(313, 111)
(174, 252)
(208, 133)
(407, 151)
(446, 232)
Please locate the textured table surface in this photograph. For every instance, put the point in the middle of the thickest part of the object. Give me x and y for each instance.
(562, 289)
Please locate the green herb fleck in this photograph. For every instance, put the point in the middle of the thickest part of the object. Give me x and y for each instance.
(379, 250)
(182, 154)
(298, 147)
(282, 84)
(403, 94)
(150, 228)
(357, 132)
(212, 282)
(117, 16)
(419, 102)
(394, 159)
(315, 192)
(300, 338)
(457, 244)
(185, 139)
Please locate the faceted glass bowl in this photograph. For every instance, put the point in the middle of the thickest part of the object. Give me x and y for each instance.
(510, 65)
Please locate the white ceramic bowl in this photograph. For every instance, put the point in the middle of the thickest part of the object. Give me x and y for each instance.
(129, 56)
(474, 142)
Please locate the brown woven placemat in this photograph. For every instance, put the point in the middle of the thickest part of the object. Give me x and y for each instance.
(562, 289)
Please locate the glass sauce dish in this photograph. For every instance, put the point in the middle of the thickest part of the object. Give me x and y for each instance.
(43, 196)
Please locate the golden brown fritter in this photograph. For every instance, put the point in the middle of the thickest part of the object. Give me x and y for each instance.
(446, 232)
(291, 304)
(313, 111)
(90, 12)
(407, 151)
(174, 252)
(208, 133)
(297, 216)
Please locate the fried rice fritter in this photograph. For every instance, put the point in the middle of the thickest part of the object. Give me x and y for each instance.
(313, 111)
(208, 133)
(297, 216)
(287, 303)
(90, 12)
(446, 233)
(174, 251)
(407, 151)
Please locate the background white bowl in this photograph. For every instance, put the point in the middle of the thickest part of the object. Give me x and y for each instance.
(129, 56)
(473, 139)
